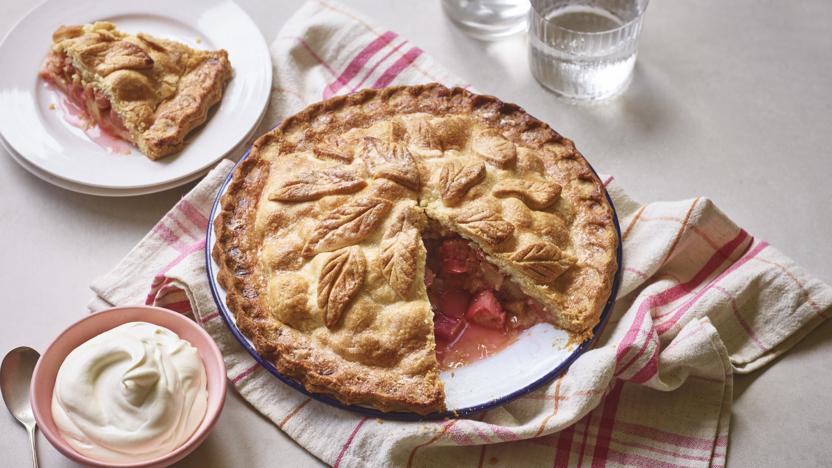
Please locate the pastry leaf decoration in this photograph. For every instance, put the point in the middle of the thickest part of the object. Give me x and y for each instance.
(542, 261)
(422, 135)
(109, 56)
(312, 185)
(390, 161)
(495, 149)
(335, 149)
(347, 225)
(484, 223)
(399, 254)
(537, 195)
(457, 177)
(340, 280)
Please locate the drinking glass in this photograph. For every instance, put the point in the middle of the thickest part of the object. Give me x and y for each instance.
(488, 19)
(584, 50)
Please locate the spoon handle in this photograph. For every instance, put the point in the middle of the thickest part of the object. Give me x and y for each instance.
(31, 429)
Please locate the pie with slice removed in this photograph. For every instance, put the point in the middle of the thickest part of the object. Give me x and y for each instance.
(368, 231)
(150, 92)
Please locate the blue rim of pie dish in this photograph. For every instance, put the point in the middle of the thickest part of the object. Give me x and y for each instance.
(400, 415)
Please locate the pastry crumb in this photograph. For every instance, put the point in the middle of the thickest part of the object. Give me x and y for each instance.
(199, 40)
(51, 106)
(379, 420)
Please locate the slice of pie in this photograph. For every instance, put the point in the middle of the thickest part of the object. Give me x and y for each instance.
(150, 92)
(373, 239)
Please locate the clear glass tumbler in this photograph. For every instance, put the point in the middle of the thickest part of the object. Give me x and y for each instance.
(488, 19)
(584, 50)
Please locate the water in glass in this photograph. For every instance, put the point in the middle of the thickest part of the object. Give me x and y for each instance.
(584, 50)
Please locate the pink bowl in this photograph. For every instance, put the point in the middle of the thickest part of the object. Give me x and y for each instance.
(46, 371)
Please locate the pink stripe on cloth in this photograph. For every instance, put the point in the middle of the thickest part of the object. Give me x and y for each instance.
(564, 447)
(631, 459)
(193, 215)
(587, 420)
(665, 437)
(250, 370)
(398, 66)
(183, 307)
(602, 446)
(485, 437)
(616, 438)
(680, 312)
(671, 453)
(720, 256)
(358, 63)
(651, 366)
(174, 299)
(460, 436)
(502, 433)
(159, 281)
(347, 444)
(168, 236)
(210, 317)
(185, 230)
(636, 272)
(374, 67)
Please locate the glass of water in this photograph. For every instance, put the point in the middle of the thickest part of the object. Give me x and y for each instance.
(488, 19)
(584, 50)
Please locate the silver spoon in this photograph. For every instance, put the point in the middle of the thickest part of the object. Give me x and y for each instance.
(15, 377)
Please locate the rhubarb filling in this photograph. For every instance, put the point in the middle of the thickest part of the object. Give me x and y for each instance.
(97, 109)
(477, 309)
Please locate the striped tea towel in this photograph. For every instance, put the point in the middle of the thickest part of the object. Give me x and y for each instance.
(700, 300)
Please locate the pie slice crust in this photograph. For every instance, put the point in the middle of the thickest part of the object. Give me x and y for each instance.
(318, 234)
(148, 91)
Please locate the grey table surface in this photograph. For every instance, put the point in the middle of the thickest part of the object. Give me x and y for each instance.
(730, 100)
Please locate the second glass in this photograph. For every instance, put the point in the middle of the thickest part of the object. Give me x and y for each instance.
(584, 50)
(488, 19)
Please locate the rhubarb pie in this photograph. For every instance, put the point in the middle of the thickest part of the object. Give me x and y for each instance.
(372, 240)
(150, 92)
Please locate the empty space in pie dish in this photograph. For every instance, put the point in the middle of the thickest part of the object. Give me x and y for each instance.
(523, 363)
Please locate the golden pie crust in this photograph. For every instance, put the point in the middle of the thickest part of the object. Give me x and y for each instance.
(159, 89)
(318, 234)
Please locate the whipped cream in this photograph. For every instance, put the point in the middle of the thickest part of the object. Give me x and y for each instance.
(132, 393)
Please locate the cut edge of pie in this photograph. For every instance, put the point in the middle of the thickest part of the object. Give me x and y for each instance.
(368, 184)
(147, 91)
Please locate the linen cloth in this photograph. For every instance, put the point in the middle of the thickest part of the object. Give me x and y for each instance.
(700, 299)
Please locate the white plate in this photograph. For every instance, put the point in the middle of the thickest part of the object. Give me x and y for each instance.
(543, 350)
(101, 191)
(43, 139)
